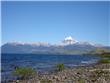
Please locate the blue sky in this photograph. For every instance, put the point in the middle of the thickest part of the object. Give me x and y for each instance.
(53, 21)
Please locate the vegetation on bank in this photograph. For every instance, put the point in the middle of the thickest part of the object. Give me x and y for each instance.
(104, 61)
(60, 67)
(96, 74)
(24, 73)
(79, 75)
(104, 53)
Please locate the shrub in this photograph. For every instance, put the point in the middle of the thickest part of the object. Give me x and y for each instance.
(60, 67)
(106, 55)
(24, 73)
(104, 61)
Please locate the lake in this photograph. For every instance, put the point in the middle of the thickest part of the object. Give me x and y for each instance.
(42, 62)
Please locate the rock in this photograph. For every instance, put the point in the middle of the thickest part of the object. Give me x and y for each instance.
(55, 77)
(77, 75)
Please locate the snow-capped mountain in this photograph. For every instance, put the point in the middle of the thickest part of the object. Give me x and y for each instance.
(29, 43)
(69, 45)
(69, 40)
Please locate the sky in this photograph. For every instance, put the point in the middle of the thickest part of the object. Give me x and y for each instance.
(33, 21)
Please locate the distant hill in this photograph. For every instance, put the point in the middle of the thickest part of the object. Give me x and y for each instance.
(49, 49)
(69, 46)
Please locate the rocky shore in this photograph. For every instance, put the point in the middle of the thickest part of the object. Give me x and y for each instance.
(99, 73)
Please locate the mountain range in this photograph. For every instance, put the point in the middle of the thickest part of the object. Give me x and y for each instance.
(68, 46)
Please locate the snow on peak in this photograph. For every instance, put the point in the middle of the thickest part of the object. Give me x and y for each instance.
(69, 40)
(85, 43)
(30, 43)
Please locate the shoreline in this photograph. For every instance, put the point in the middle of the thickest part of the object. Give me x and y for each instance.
(97, 73)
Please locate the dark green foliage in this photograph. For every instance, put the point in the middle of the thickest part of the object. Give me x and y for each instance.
(106, 55)
(99, 51)
(24, 73)
(60, 67)
(104, 61)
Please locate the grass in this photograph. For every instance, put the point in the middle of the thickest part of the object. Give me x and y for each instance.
(105, 55)
(60, 67)
(104, 61)
(24, 73)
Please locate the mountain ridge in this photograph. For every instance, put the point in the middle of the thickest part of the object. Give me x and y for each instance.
(68, 46)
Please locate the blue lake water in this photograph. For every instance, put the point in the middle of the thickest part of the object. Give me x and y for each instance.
(41, 63)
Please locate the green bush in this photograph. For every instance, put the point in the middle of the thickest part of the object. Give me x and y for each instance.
(24, 73)
(60, 67)
(104, 61)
